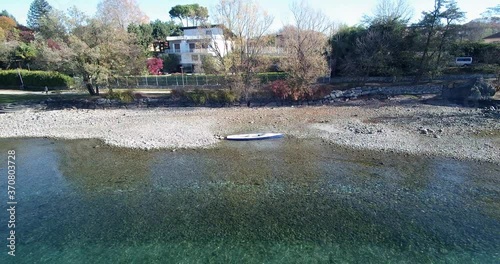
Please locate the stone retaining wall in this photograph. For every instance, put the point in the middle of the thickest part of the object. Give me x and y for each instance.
(404, 78)
(387, 91)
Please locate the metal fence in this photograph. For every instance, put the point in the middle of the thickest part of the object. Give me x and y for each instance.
(167, 81)
(190, 80)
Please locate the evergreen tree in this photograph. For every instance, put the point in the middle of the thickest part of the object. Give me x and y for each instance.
(7, 14)
(38, 10)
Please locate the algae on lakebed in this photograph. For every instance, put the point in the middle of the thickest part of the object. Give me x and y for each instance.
(278, 201)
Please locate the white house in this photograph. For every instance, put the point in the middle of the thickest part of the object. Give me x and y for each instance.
(197, 42)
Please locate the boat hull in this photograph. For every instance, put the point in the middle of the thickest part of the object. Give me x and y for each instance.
(255, 136)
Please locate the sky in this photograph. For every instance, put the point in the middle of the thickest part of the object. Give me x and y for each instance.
(340, 11)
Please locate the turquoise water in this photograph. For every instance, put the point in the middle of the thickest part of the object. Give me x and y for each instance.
(278, 201)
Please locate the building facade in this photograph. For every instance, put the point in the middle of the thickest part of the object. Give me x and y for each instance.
(495, 38)
(196, 43)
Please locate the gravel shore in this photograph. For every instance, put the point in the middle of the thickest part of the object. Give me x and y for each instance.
(398, 125)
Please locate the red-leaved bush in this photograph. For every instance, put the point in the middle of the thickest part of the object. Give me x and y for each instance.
(155, 66)
(53, 45)
(280, 89)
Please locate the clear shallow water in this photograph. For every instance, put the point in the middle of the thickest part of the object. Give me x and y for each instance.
(282, 201)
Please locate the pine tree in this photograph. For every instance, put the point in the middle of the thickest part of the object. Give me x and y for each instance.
(38, 9)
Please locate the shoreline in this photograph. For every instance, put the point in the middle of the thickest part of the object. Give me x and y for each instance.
(398, 125)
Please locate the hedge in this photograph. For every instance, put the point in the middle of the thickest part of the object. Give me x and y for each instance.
(34, 80)
(488, 53)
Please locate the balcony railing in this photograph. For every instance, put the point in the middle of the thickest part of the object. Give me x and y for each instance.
(171, 51)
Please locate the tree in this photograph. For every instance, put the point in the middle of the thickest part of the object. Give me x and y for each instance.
(200, 14)
(436, 33)
(492, 14)
(7, 23)
(54, 56)
(245, 25)
(25, 53)
(7, 54)
(488, 24)
(390, 10)
(120, 13)
(305, 45)
(53, 25)
(343, 50)
(102, 52)
(180, 12)
(38, 10)
(170, 62)
(7, 14)
(194, 12)
(161, 30)
(451, 15)
(143, 33)
(209, 65)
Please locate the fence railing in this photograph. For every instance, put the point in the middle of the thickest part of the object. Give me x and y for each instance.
(178, 80)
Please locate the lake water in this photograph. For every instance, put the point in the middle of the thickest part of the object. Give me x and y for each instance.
(277, 201)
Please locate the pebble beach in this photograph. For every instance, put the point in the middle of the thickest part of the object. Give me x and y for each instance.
(397, 125)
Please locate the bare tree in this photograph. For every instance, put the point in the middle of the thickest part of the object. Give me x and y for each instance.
(120, 13)
(392, 10)
(305, 45)
(245, 26)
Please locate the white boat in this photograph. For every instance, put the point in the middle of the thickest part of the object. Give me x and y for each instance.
(255, 136)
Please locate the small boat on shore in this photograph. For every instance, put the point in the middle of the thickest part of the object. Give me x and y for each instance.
(254, 136)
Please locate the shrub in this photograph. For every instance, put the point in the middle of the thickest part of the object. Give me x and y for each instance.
(178, 94)
(262, 94)
(280, 89)
(321, 91)
(202, 97)
(155, 66)
(198, 97)
(299, 94)
(226, 96)
(124, 97)
(36, 80)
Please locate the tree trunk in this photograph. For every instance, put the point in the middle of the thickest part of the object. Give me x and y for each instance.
(89, 86)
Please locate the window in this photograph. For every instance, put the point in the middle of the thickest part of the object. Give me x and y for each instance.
(191, 47)
(177, 47)
(195, 57)
(208, 32)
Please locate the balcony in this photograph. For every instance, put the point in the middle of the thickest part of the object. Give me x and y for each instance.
(180, 38)
(178, 51)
